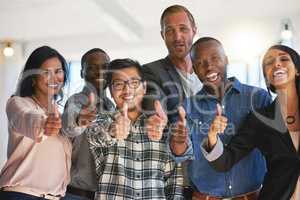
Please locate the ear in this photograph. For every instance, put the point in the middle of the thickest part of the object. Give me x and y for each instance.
(81, 73)
(145, 87)
(297, 73)
(162, 34)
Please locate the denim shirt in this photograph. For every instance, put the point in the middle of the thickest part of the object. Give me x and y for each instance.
(247, 175)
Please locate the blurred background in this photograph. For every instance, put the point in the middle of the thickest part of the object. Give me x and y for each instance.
(130, 28)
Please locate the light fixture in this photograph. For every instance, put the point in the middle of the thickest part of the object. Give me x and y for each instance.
(286, 30)
(8, 51)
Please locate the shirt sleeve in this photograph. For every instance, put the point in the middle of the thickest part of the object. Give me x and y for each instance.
(24, 118)
(188, 154)
(72, 109)
(173, 181)
(215, 153)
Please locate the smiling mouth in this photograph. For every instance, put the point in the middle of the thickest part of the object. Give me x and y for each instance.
(280, 74)
(53, 86)
(212, 77)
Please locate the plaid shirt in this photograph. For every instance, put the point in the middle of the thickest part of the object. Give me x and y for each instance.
(134, 168)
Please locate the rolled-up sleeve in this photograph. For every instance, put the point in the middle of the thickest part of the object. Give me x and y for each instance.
(215, 153)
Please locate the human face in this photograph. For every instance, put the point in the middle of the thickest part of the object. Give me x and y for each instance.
(178, 34)
(279, 68)
(93, 69)
(51, 78)
(210, 63)
(133, 96)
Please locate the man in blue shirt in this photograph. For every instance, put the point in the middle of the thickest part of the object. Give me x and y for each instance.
(237, 100)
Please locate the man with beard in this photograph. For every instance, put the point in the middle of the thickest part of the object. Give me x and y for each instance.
(235, 101)
(172, 78)
(80, 112)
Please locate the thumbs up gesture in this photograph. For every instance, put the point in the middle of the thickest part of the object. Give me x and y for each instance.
(121, 126)
(218, 126)
(88, 112)
(53, 122)
(178, 142)
(156, 123)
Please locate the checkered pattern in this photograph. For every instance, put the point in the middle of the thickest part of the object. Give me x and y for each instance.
(134, 168)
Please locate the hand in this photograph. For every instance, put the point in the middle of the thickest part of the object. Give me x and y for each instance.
(156, 123)
(217, 127)
(121, 126)
(53, 122)
(88, 112)
(178, 142)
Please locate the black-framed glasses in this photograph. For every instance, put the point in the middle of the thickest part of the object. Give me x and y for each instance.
(120, 84)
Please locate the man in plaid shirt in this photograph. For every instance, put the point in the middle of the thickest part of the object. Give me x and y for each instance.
(129, 148)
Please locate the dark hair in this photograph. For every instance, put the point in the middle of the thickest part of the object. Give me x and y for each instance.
(85, 56)
(33, 64)
(175, 9)
(200, 41)
(296, 60)
(119, 64)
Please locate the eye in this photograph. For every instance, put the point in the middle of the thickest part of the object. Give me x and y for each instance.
(284, 58)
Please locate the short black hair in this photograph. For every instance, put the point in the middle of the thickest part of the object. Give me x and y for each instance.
(34, 62)
(200, 41)
(119, 64)
(85, 56)
(175, 9)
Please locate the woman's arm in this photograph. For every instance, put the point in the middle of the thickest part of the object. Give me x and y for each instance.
(24, 118)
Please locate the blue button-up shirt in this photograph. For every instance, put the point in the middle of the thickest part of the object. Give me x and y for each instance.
(247, 175)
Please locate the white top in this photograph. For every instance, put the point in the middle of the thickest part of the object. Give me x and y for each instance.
(295, 138)
(41, 167)
(190, 82)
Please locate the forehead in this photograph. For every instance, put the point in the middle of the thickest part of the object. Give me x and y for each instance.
(51, 63)
(126, 73)
(274, 53)
(208, 48)
(97, 57)
(176, 18)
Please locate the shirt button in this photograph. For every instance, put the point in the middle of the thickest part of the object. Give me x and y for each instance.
(138, 176)
(230, 187)
(137, 194)
(137, 159)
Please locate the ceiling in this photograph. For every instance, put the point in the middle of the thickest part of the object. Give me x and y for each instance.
(74, 26)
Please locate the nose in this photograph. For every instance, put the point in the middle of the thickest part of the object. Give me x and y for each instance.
(126, 87)
(277, 63)
(177, 35)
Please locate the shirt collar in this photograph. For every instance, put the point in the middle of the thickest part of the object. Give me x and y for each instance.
(236, 86)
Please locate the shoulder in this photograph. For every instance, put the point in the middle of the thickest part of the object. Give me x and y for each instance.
(157, 65)
(19, 101)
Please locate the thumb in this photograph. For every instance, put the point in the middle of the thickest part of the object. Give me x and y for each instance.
(219, 110)
(125, 109)
(54, 110)
(92, 100)
(182, 115)
(159, 110)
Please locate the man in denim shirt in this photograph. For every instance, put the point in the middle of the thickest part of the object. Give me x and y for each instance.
(237, 100)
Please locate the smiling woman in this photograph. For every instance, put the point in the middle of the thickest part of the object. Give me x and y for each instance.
(274, 130)
(36, 148)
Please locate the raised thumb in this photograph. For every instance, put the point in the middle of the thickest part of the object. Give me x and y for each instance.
(219, 110)
(159, 110)
(182, 115)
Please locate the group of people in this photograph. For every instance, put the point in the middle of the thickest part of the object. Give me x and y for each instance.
(178, 127)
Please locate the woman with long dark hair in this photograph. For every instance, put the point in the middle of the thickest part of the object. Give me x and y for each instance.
(274, 130)
(38, 155)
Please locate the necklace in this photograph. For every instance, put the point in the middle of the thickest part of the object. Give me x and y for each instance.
(38, 103)
(290, 119)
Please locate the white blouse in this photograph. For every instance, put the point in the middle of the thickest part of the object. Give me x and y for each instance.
(41, 167)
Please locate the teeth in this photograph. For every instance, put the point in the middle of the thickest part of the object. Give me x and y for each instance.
(212, 77)
(279, 72)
